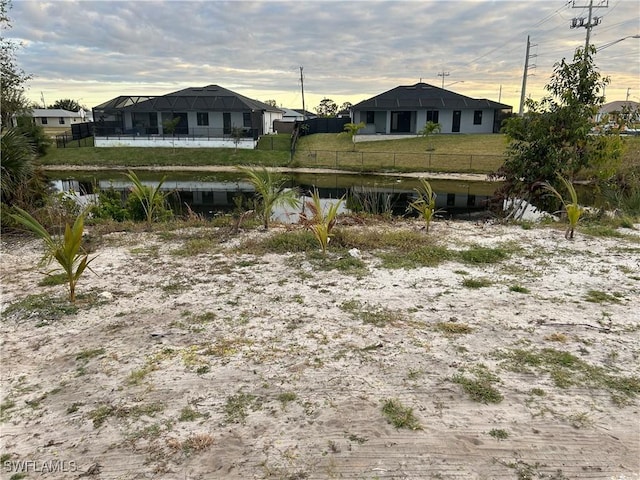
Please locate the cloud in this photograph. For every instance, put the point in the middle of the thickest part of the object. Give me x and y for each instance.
(349, 50)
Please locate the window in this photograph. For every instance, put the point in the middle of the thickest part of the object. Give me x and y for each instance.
(371, 117)
(471, 200)
(203, 119)
(451, 199)
(477, 117)
(432, 116)
(44, 120)
(246, 119)
(61, 120)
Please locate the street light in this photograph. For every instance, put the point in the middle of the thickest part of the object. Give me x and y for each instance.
(606, 45)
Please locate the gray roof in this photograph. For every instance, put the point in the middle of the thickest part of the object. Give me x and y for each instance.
(618, 105)
(53, 112)
(202, 99)
(425, 96)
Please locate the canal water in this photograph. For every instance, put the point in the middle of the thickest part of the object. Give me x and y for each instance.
(211, 193)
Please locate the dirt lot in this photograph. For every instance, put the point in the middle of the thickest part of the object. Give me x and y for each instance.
(191, 358)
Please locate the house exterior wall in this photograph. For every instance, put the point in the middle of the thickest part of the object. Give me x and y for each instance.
(382, 121)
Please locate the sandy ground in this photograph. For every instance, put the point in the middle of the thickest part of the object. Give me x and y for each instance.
(232, 365)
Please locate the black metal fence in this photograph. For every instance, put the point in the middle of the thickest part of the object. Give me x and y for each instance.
(80, 136)
(408, 161)
(324, 125)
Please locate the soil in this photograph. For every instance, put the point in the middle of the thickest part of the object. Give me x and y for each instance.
(176, 364)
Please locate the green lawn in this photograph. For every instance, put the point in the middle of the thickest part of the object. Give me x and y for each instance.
(451, 153)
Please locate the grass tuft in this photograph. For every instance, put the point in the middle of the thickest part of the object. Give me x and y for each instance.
(400, 416)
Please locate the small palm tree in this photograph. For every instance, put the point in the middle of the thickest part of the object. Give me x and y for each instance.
(321, 223)
(152, 199)
(425, 204)
(571, 207)
(66, 250)
(351, 130)
(270, 191)
(430, 128)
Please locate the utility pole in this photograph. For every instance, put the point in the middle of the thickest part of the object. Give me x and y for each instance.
(523, 91)
(443, 74)
(591, 21)
(304, 111)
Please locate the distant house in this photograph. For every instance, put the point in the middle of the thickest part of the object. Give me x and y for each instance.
(56, 121)
(406, 109)
(209, 116)
(613, 109)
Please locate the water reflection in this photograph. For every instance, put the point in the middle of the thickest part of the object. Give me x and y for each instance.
(211, 194)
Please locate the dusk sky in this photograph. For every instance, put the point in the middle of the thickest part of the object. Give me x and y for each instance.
(92, 51)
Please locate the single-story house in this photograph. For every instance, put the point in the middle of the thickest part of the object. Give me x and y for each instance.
(614, 109)
(205, 116)
(56, 121)
(291, 115)
(406, 109)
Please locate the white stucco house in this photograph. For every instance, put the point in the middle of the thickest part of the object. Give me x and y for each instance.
(56, 121)
(406, 109)
(206, 117)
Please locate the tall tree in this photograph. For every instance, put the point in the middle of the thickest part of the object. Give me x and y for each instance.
(68, 104)
(327, 108)
(273, 103)
(345, 107)
(12, 99)
(553, 140)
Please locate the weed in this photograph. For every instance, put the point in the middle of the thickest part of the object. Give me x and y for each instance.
(476, 282)
(195, 246)
(44, 308)
(5, 406)
(480, 388)
(379, 317)
(556, 337)
(538, 392)
(53, 279)
(86, 355)
(4, 457)
(499, 434)
(197, 442)
(286, 397)
(100, 415)
(136, 376)
(415, 374)
(188, 414)
(566, 370)
(74, 407)
(597, 296)
(235, 409)
(355, 438)
(580, 420)
(453, 328)
(400, 416)
(518, 289)
(415, 257)
(484, 255)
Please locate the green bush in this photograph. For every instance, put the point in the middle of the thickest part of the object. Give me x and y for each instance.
(110, 206)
